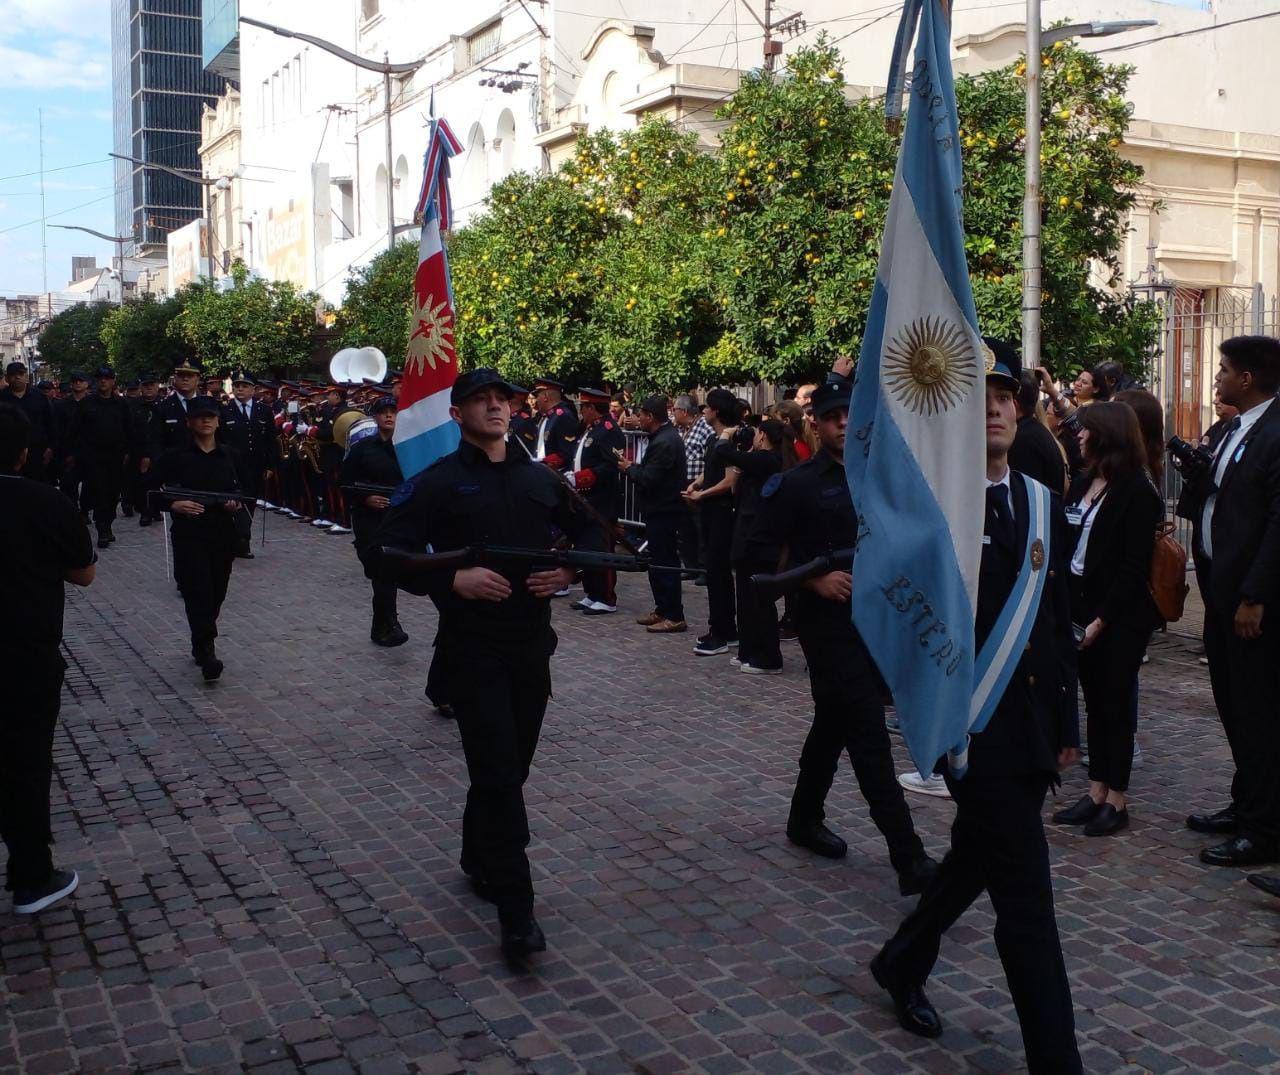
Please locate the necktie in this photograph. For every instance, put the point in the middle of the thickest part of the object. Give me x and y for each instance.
(1232, 426)
(999, 516)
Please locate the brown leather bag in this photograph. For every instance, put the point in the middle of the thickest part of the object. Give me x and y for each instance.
(1168, 578)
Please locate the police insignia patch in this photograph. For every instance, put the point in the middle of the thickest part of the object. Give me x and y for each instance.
(402, 494)
(771, 485)
(1037, 555)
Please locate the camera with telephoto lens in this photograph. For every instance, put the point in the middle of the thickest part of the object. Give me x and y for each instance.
(744, 437)
(1191, 460)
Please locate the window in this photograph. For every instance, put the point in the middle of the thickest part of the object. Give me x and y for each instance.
(345, 209)
(483, 43)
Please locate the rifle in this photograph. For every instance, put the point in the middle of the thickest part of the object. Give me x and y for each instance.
(170, 493)
(399, 563)
(770, 587)
(364, 489)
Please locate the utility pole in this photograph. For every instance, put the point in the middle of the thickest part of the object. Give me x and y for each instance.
(768, 36)
(789, 24)
(391, 182)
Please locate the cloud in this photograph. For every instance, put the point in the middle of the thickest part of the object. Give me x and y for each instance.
(89, 19)
(61, 64)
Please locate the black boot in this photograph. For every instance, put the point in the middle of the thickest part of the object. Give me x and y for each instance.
(522, 937)
(817, 838)
(207, 659)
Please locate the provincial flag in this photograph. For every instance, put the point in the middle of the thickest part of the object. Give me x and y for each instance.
(424, 430)
(916, 445)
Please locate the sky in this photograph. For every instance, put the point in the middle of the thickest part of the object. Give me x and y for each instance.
(55, 55)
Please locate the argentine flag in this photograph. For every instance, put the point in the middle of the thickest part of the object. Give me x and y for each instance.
(424, 430)
(916, 445)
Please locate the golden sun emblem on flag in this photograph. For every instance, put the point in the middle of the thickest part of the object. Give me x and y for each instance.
(930, 365)
(432, 336)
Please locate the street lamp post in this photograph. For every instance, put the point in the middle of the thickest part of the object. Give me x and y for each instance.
(386, 69)
(1031, 266)
(119, 240)
(190, 177)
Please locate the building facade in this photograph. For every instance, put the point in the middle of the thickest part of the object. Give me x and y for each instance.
(159, 87)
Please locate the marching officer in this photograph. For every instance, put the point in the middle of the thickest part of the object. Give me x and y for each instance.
(169, 422)
(204, 535)
(144, 407)
(32, 402)
(557, 438)
(249, 427)
(997, 838)
(808, 511)
(373, 461)
(103, 438)
(495, 629)
(594, 473)
(67, 423)
(524, 426)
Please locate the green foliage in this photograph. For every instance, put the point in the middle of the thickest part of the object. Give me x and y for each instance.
(71, 340)
(378, 304)
(256, 325)
(137, 336)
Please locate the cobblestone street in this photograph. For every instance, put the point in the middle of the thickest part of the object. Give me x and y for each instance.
(269, 873)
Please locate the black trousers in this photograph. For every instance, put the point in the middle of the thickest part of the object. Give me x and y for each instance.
(757, 620)
(717, 532)
(73, 485)
(104, 479)
(598, 585)
(33, 695)
(1109, 679)
(499, 693)
(202, 568)
(848, 715)
(1245, 678)
(998, 846)
(661, 530)
(691, 538)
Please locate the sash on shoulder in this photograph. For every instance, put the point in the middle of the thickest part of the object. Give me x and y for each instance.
(1003, 648)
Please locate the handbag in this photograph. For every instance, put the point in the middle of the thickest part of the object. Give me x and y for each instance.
(1167, 580)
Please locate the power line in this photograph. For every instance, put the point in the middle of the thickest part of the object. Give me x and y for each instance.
(1188, 33)
(60, 212)
(703, 30)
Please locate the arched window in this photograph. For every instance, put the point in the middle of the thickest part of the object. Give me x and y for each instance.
(380, 196)
(475, 173)
(404, 196)
(505, 144)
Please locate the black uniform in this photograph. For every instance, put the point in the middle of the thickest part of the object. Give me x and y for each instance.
(169, 428)
(70, 478)
(204, 546)
(1035, 453)
(372, 461)
(497, 653)
(997, 839)
(44, 433)
(104, 437)
(595, 472)
(253, 435)
(557, 437)
(808, 511)
(330, 460)
(659, 480)
(143, 416)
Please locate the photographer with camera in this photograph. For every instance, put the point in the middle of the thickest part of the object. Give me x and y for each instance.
(1234, 503)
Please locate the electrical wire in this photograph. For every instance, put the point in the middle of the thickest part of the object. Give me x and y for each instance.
(1186, 33)
(703, 30)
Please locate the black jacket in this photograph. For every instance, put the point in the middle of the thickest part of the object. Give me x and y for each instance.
(104, 427)
(560, 440)
(1246, 523)
(754, 469)
(372, 461)
(601, 490)
(66, 420)
(660, 478)
(1035, 453)
(1117, 563)
(1038, 714)
(169, 428)
(253, 437)
(39, 411)
(464, 499)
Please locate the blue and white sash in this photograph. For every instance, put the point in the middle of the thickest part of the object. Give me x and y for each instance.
(1008, 638)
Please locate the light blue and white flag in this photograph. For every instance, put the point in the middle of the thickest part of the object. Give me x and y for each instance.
(916, 446)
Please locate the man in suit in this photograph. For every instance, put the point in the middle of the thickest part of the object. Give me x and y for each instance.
(997, 838)
(557, 439)
(1235, 507)
(169, 420)
(594, 473)
(249, 427)
(1035, 450)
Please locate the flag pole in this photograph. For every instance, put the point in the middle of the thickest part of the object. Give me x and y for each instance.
(1031, 276)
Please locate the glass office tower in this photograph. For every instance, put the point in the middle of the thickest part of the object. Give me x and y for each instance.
(159, 87)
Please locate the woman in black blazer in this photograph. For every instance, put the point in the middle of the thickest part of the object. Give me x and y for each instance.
(1114, 510)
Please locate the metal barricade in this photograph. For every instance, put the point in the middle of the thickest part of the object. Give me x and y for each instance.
(637, 443)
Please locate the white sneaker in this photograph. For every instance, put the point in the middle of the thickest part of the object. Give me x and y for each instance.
(61, 883)
(1137, 755)
(924, 785)
(338, 528)
(599, 608)
(758, 670)
(735, 662)
(261, 504)
(562, 593)
(326, 523)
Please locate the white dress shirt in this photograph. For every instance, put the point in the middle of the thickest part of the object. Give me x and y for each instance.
(1221, 460)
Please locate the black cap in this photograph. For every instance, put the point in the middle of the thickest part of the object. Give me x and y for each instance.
(1003, 363)
(135, 383)
(44, 386)
(187, 366)
(105, 372)
(547, 382)
(829, 396)
(242, 378)
(15, 367)
(383, 403)
(76, 375)
(471, 382)
(150, 377)
(202, 406)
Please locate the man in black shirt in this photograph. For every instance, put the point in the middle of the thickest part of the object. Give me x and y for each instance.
(43, 540)
(373, 461)
(204, 535)
(103, 437)
(66, 421)
(660, 481)
(39, 412)
(809, 512)
(495, 629)
(144, 434)
(1035, 450)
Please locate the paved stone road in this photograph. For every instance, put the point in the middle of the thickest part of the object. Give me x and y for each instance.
(270, 881)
